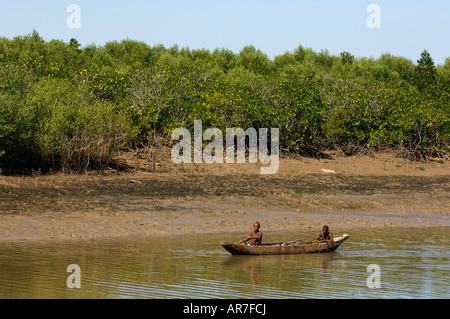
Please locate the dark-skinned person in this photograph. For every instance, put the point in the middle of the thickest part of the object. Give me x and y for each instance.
(325, 236)
(255, 235)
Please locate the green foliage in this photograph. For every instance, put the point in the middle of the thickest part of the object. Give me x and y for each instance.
(425, 72)
(72, 130)
(347, 58)
(72, 108)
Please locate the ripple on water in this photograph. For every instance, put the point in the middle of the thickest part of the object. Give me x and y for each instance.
(414, 263)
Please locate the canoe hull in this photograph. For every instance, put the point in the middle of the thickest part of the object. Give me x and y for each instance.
(279, 249)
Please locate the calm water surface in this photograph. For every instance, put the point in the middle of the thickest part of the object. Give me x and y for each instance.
(414, 263)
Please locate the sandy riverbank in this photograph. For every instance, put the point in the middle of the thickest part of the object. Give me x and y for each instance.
(362, 192)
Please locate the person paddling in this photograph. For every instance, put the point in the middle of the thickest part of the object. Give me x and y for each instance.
(325, 236)
(255, 235)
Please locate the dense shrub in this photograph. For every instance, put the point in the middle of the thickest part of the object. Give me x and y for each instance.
(72, 108)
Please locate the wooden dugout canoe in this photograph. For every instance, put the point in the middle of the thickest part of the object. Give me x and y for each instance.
(293, 247)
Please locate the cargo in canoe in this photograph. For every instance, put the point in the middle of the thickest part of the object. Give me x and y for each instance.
(293, 247)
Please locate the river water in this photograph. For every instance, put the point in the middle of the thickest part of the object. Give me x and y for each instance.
(412, 263)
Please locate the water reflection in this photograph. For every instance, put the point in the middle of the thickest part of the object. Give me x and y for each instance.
(253, 266)
(414, 264)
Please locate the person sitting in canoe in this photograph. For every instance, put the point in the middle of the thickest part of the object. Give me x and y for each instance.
(325, 236)
(255, 235)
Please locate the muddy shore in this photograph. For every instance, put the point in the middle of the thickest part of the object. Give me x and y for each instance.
(304, 194)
